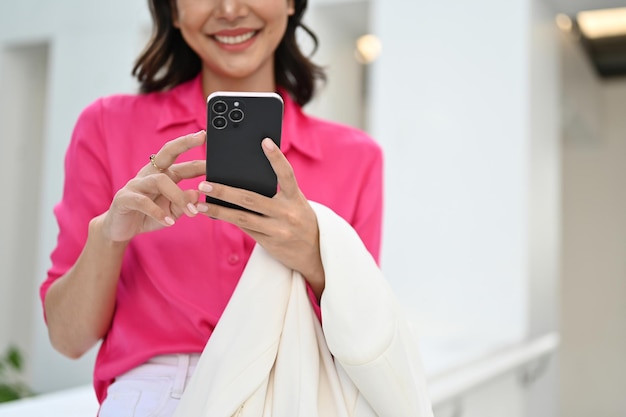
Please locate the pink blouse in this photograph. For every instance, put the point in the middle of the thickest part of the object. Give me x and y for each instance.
(175, 283)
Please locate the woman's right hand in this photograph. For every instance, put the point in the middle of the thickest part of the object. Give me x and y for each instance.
(153, 200)
(79, 306)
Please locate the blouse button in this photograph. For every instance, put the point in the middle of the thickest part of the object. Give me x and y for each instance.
(233, 258)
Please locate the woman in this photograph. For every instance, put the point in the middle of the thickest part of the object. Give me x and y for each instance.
(142, 263)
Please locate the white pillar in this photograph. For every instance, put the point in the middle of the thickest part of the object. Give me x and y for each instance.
(465, 104)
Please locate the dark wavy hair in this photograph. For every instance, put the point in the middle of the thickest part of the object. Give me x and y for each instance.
(168, 61)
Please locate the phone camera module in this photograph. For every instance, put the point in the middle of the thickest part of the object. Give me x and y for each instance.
(219, 122)
(235, 115)
(220, 107)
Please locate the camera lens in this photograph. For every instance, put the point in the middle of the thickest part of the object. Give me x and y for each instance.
(236, 115)
(219, 122)
(219, 107)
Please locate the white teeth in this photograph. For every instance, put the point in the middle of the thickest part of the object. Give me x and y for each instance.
(232, 40)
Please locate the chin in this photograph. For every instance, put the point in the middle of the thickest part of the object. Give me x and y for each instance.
(236, 72)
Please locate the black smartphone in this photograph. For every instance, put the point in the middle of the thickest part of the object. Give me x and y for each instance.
(237, 122)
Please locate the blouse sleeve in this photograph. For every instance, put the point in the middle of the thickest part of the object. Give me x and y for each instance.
(367, 220)
(368, 216)
(87, 191)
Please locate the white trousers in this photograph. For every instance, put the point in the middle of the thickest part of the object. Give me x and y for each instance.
(150, 390)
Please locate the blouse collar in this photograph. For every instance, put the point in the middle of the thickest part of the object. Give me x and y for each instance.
(186, 103)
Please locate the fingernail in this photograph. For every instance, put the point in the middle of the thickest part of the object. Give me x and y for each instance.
(205, 187)
(203, 208)
(169, 221)
(269, 144)
(198, 133)
(192, 208)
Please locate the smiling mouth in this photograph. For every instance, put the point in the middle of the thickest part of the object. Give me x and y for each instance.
(234, 40)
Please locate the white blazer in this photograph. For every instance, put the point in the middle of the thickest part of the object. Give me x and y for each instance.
(269, 356)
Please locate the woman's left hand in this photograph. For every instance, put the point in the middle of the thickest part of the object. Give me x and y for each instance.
(286, 225)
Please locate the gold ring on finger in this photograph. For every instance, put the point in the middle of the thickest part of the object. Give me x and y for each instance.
(154, 164)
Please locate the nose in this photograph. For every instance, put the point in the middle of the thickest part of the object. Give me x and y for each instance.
(231, 10)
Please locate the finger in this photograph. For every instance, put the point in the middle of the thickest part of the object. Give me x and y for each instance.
(243, 198)
(130, 201)
(168, 154)
(282, 167)
(183, 170)
(251, 223)
(186, 170)
(258, 236)
(161, 185)
(191, 197)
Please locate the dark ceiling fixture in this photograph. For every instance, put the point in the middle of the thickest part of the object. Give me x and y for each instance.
(607, 54)
(603, 35)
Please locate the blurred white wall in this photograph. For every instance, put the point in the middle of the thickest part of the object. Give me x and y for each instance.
(338, 24)
(451, 106)
(22, 113)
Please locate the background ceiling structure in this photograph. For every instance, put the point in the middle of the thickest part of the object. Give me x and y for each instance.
(571, 7)
(608, 55)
